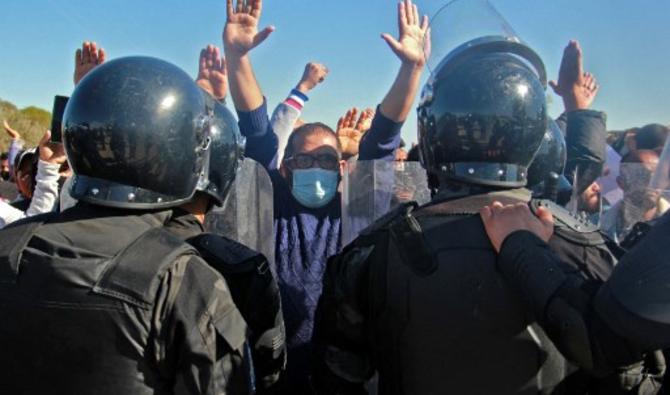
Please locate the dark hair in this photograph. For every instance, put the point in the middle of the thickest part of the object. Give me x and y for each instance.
(651, 136)
(4, 156)
(636, 156)
(306, 130)
(31, 157)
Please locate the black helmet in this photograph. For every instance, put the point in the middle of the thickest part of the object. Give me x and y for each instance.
(226, 151)
(483, 113)
(136, 133)
(546, 171)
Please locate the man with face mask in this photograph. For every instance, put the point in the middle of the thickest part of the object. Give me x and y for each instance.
(307, 207)
(639, 203)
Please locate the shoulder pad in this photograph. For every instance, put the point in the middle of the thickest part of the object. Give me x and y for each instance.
(226, 255)
(387, 219)
(15, 237)
(563, 218)
(133, 274)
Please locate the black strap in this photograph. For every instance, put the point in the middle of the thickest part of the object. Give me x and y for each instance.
(132, 274)
(564, 218)
(15, 238)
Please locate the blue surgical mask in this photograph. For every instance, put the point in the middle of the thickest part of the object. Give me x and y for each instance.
(314, 187)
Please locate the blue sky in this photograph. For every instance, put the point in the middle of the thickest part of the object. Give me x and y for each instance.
(626, 46)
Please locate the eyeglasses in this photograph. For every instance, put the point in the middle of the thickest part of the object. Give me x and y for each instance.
(305, 161)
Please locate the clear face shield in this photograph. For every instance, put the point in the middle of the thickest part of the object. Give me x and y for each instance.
(660, 179)
(463, 25)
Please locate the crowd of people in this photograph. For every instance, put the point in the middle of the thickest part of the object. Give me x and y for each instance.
(522, 274)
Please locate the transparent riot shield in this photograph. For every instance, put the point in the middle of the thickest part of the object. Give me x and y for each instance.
(461, 25)
(586, 201)
(66, 200)
(247, 214)
(660, 180)
(640, 202)
(371, 189)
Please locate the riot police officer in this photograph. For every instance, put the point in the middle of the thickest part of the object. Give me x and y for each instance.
(252, 284)
(613, 325)
(102, 298)
(417, 297)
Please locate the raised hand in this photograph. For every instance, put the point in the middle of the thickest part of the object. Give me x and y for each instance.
(11, 132)
(365, 120)
(501, 221)
(241, 32)
(212, 75)
(314, 74)
(350, 131)
(51, 152)
(577, 88)
(414, 35)
(86, 59)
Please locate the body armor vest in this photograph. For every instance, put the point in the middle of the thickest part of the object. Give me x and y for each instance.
(444, 319)
(80, 326)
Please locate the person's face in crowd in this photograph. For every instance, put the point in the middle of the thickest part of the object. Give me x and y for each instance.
(4, 169)
(314, 168)
(400, 155)
(24, 179)
(589, 200)
(634, 180)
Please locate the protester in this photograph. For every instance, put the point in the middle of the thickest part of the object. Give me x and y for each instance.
(639, 203)
(4, 166)
(307, 207)
(288, 112)
(651, 137)
(37, 183)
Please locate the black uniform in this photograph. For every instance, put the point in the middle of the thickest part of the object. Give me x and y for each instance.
(254, 291)
(418, 299)
(616, 324)
(105, 301)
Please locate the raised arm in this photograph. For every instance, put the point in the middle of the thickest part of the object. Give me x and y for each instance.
(212, 74)
(409, 48)
(585, 129)
(240, 36)
(86, 59)
(287, 113)
(412, 48)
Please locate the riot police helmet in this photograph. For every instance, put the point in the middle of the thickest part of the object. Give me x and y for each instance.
(226, 152)
(136, 133)
(483, 113)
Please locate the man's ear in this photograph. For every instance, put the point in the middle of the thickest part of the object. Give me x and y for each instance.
(283, 170)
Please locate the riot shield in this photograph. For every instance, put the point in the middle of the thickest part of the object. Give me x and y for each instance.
(641, 202)
(660, 180)
(464, 24)
(371, 189)
(586, 201)
(247, 214)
